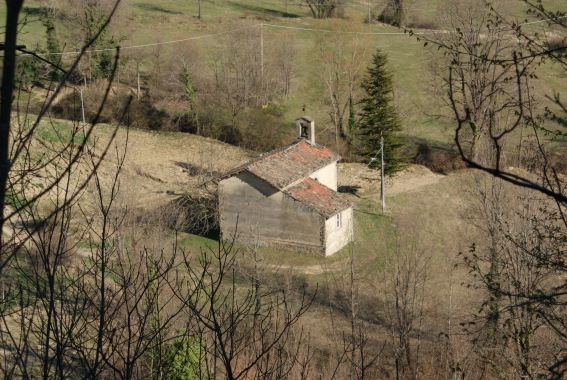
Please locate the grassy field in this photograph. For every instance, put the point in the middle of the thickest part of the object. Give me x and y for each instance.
(180, 33)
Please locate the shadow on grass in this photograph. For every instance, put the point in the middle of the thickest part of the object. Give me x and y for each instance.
(262, 11)
(439, 158)
(35, 11)
(414, 144)
(156, 8)
(349, 190)
(368, 213)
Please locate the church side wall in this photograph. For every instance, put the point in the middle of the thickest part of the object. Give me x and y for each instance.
(260, 213)
(338, 236)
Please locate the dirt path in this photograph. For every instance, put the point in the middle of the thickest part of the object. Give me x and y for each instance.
(361, 178)
(313, 269)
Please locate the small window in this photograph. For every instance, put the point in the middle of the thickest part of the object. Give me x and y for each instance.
(339, 220)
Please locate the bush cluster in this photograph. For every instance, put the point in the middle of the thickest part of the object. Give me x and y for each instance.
(441, 161)
(258, 129)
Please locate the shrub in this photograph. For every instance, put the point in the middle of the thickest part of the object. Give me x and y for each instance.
(558, 45)
(438, 161)
(140, 114)
(393, 13)
(262, 129)
(419, 22)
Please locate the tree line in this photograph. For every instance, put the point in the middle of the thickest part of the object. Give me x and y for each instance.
(246, 75)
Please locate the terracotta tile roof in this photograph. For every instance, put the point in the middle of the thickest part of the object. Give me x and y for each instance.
(285, 166)
(318, 197)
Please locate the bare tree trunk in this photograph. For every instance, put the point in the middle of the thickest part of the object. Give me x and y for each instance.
(13, 8)
(405, 279)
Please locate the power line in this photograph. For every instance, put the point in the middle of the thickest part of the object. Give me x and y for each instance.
(339, 31)
(545, 20)
(77, 52)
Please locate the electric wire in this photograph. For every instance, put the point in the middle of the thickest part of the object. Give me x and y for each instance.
(77, 52)
(404, 33)
(372, 159)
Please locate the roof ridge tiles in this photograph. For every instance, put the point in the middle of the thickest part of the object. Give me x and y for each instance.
(318, 197)
(286, 165)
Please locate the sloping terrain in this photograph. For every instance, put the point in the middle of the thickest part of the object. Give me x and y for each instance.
(160, 165)
(425, 220)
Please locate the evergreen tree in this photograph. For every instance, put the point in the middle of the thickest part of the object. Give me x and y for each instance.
(379, 118)
(52, 47)
(28, 71)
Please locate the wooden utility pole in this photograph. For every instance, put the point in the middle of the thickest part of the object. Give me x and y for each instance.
(85, 147)
(138, 80)
(382, 187)
(263, 92)
(262, 50)
(199, 16)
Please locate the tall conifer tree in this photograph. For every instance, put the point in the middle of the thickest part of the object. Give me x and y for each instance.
(379, 117)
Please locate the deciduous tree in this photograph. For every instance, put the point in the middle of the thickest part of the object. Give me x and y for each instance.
(478, 74)
(508, 330)
(497, 60)
(339, 59)
(246, 328)
(323, 8)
